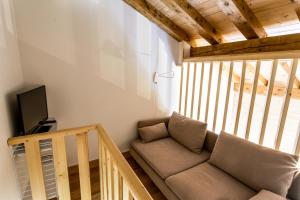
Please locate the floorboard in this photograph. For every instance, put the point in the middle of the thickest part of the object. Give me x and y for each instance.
(95, 184)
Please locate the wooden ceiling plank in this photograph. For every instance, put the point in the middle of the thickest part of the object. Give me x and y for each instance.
(243, 18)
(205, 29)
(154, 15)
(261, 45)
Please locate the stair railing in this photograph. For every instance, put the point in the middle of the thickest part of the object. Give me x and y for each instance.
(117, 179)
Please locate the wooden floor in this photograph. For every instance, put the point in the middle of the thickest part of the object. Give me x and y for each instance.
(94, 169)
(150, 186)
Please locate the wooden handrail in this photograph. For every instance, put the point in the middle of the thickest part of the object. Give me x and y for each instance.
(49, 135)
(111, 161)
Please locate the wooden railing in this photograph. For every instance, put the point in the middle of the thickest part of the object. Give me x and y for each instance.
(190, 107)
(115, 172)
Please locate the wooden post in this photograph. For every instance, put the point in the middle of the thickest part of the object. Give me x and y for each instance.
(268, 102)
(181, 83)
(104, 167)
(101, 179)
(253, 96)
(112, 177)
(286, 104)
(193, 90)
(61, 167)
(187, 88)
(200, 92)
(217, 96)
(237, 119)
(120, 186)
(227, 95)
(83, 164)
(208, 90)
(109, 175)
(130, 196)
(297, 150)
(35, 170)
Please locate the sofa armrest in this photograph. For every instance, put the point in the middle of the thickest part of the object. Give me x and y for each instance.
(267, 195)
(294, 189)
(150, 122)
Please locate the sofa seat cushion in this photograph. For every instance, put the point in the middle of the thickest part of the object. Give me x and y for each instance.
(204, 182)
(267, 195)
(167, 157)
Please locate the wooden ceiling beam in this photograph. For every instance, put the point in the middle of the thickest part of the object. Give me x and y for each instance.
(154, 15)
(261, 78)
(243, 18)
(261, 89)
(287, 68)
(236, 78)
(250, 68)
(205, 29)
(297, 10)
(269, 44)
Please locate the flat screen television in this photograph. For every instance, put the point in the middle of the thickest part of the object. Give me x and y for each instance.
(33, 109)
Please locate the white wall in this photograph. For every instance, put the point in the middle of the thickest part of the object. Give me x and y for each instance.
(97, 59)
(11, 79)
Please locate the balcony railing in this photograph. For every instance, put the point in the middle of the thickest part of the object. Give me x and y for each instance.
(236, 96)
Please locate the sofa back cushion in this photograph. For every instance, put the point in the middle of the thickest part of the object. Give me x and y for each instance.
(210, 140)
(256, 166)
(188, 132)
(150, 122)
(154, 132)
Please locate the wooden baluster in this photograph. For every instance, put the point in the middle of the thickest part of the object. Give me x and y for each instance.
(227, 96)
(109, 175)
(112, 178)
(61, 167)
(104, 169)
(297, 150)
(187, 88)
(181, 85)
(208, 90)
(217, 96)
(120, 186)
(101, 167)
(237, 119)
(35, 170)
(193, 90)
(268, 102)
(130, 196)
(200, 92)
(253, 96)
(83, 163)
(286, 104)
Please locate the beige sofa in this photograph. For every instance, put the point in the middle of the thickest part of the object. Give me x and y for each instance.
(181, 174)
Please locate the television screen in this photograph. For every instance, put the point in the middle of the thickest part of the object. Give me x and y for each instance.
(32, 108)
